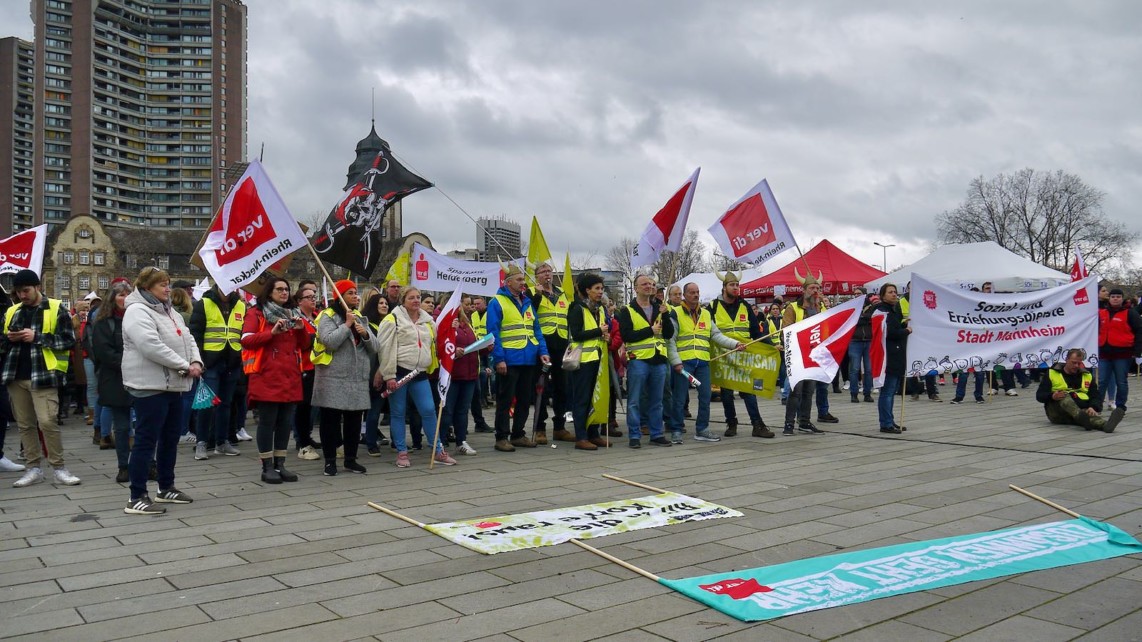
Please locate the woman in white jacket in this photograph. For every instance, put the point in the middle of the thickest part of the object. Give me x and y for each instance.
(408, 342)
(160, 362)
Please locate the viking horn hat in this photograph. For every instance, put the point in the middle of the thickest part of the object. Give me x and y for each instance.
(729, 277)
(808, 279)
(510, 268)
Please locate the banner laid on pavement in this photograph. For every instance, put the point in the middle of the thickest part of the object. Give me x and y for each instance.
(955, 329)
(549, 527)
(836, 580)
(753, 370)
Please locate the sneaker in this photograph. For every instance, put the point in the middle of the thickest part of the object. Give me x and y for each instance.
(522, 442)
(226, 449)
(33, 476)
(330, 469)
(172, 496)
(868, 398)
(484, 428)
(200, 451)
(123, 477)
(787, 431)
(980, 400)
(143, 506)
(892, 430)
(444, 458)
(308, 453)
(935, 398)
(855, 399)
(9, 466)
(243, 435)
(374, 451)
(845, 386)
(676, 438)
(956, 401)
(465, 449)
(382, 439)
(828, 418)
(64, 477)
(660, 441)
(402, 460)
(352, 466)
(706, 436)
(1116, 416)
(635, 443)
(1011, 393)
(810, 428)
(188, 438)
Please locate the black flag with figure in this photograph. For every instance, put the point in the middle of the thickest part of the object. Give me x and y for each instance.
(351, 236)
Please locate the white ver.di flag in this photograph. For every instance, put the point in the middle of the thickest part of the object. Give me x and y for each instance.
(955, 329)
(753, 229)
(815, 346)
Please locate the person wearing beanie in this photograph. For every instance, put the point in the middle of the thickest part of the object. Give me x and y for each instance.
(37, 337)
(1119, 342)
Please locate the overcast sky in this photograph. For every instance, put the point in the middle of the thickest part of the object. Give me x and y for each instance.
(868, 118)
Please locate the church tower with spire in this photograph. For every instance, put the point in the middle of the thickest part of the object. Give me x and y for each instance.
(392, 226)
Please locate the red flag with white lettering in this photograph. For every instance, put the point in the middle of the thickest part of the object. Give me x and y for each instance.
(1078, 269)
(815, 347)
(446, 342)
(24, 251)
(878, 351)
(253, 230)
(753, 230)
(667, 227)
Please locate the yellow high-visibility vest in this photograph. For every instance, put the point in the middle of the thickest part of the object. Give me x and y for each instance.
(592, 348)
(54, 359)
(647, 348)
(1059, 383)
(479, 323)
(737, 328)
(320, 356)
(221, 331)
(693, 339)
(553, 316)
(516, 330)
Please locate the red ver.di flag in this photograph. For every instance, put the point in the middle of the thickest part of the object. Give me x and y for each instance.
(667, 227)
(23, 251)
(753, 230)
(953, 329)
(878, 352)
(446, 341)
(253, 230)
(815, 347)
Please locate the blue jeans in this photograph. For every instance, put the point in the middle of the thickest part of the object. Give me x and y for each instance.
(214, 423)
(372, 421)
(156, 437)
(456, 407)
(187, 402)
(860, 358)
(93, 398)
(962, 386)
(1112, 378)
(822, 398)
(421, 392)
(119, 420)
(887, 397)
(643, 377)
(701, 371)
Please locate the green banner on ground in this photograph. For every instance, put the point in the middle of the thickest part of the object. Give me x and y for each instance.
(558, 525)
(848, 578)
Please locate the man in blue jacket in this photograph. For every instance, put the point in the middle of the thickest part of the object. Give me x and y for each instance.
(519, 347)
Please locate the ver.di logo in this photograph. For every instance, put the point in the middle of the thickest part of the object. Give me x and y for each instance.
(736, 588)
(486, 524)
(930, 299)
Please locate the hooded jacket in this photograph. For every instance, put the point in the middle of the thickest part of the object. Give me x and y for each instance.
(405, 344)
(156, 345)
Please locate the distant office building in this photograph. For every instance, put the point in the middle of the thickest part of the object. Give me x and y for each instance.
(497, 239)
(138, 111)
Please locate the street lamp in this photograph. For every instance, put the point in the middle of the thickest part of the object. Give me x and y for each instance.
(884, 247)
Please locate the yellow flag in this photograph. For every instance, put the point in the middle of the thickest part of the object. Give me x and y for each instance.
(601, 397)
(537, 251)
(568, 280)
(399, 269)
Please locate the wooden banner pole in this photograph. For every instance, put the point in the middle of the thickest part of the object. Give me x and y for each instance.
(728, 352)
(612, 558)
(1044, 500)
(393, 513)
(633, 483)
(436, 435)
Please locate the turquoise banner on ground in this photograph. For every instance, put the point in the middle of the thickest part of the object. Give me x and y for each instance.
(848, 578)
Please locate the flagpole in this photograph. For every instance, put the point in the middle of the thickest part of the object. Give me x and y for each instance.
(321, 265)
(712, 359)
(1039, 499)
(612, 558)
(435, 436)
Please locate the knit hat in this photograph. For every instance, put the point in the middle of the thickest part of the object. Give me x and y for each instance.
(343, 286)
(24, 278)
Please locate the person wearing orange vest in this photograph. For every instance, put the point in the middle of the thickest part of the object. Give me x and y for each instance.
(37, 337)
(273, 337)
(1119, 341)
(216, 325)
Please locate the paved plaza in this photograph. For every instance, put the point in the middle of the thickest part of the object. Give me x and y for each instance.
(310, 561)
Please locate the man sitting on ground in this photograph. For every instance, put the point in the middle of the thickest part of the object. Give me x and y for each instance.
(1070, 395)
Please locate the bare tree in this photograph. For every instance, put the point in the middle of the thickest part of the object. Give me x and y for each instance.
(618, 258)
(1043, 216)
(690, 257)
(721, 263)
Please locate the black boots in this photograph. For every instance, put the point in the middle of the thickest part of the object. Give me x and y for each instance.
(731, 428)
(269, 475)
(279, 466)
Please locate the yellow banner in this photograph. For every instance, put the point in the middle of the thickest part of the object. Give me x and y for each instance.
(754, 370)
(601, 399)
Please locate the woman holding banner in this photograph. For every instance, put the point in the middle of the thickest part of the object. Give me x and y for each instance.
(895, 345)
(587, 329)
(408, 350)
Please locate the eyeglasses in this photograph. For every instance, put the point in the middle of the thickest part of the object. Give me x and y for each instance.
(309, 297)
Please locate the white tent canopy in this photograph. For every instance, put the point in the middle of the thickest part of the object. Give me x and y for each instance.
(970, 265)
(709, 286)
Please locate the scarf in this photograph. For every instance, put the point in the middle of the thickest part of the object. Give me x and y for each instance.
(153, 300)
(274, 313)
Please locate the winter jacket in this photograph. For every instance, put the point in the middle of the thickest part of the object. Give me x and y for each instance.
(895, 340)
(197, 323)
(156, 345)
(405, 345)
(525, 356)
(279, 378)
(107, 349)
(467, 367)
(343, 384)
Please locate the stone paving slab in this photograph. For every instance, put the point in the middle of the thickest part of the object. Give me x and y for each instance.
(311, 560)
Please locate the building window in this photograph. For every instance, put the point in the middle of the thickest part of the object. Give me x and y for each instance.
(164, 262)
(132, 262)
(68, 257)
(100, 258)
(85, 232)
(84, 257)
(104, 282)
(85, 283)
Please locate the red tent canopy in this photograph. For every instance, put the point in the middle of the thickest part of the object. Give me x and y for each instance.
(838, 272)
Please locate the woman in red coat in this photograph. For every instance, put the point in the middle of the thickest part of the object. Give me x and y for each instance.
(273, 336)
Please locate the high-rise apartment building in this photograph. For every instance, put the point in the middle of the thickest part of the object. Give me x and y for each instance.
(139, 109)
(497, 239)
(17, 75)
